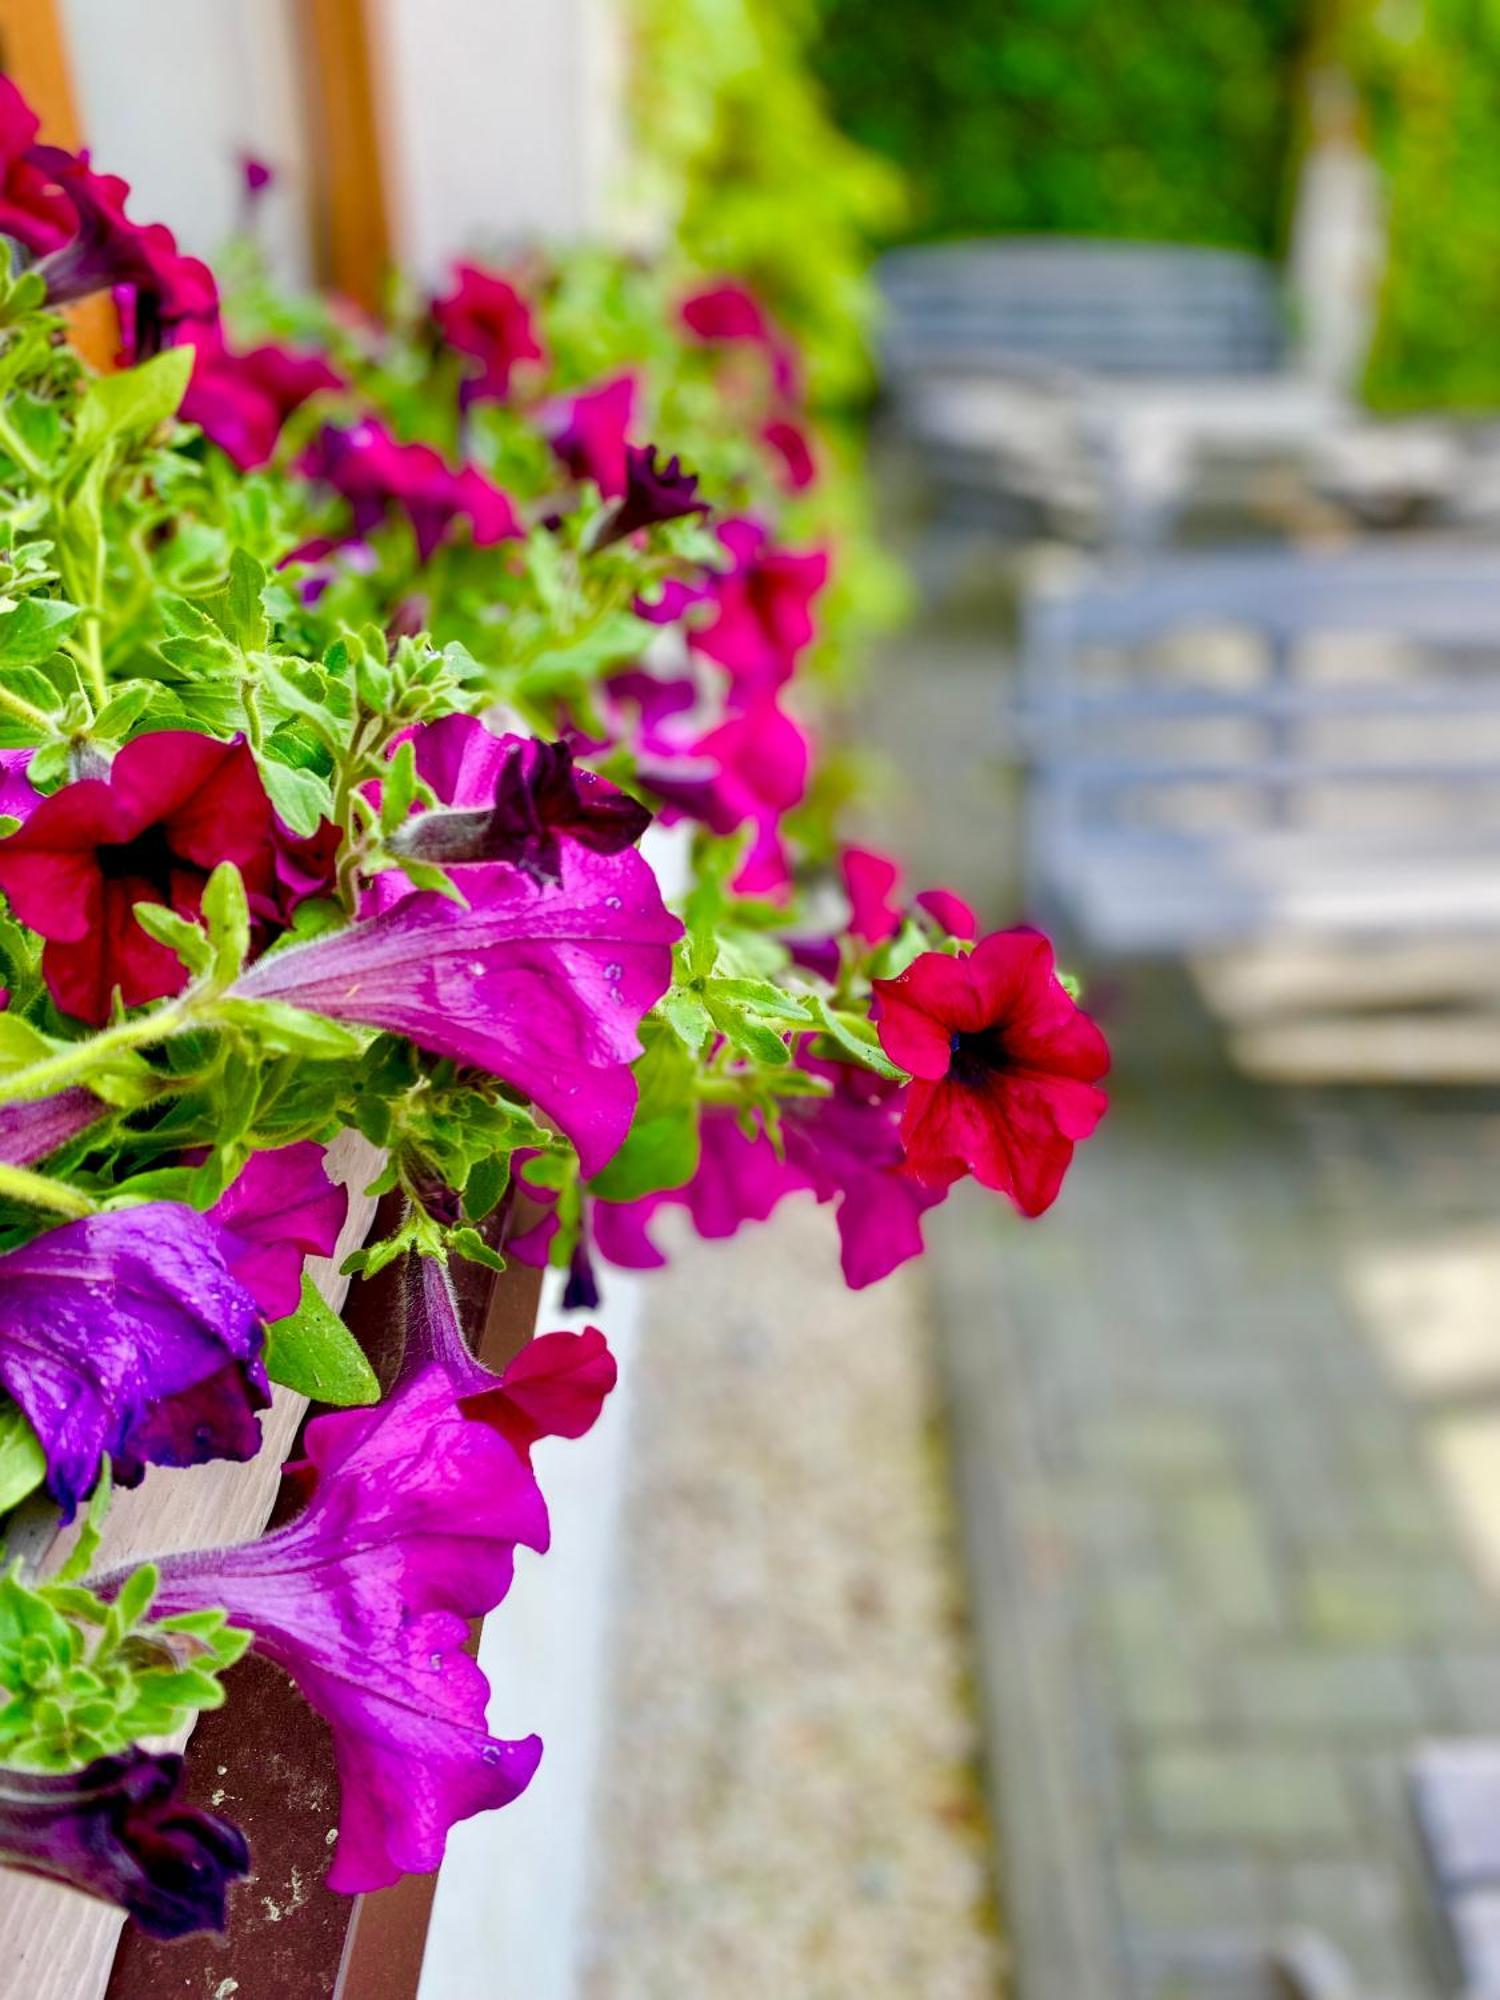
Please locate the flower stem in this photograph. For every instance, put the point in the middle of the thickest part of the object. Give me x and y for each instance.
(40, 1191)
(73, 1064)
(24, 710)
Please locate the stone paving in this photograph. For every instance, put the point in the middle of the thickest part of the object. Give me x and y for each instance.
(1228, 1437)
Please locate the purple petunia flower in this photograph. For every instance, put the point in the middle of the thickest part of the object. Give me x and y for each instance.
(516, 799)
(280, 1210)
(126, 1333)
(414, 1516)
(654, 493)
(118, 1830)
(543, 985)
(31, 1131)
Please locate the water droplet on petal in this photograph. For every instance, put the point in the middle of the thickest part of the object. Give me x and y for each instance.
(612, 903)
(491, 1753)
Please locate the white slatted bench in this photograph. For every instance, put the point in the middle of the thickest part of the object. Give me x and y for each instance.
(1242, 747)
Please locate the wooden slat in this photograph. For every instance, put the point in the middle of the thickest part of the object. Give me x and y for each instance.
(350, 226)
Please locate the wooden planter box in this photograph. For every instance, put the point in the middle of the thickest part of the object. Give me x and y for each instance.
(264, 1759)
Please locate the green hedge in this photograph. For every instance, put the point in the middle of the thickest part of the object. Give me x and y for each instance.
(1430, 74)
(1095, 117)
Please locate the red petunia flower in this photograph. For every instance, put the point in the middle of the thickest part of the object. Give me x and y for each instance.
(1005, 1067)
(174, 805)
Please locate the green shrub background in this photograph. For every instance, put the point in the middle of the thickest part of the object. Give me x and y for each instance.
(1093, 117)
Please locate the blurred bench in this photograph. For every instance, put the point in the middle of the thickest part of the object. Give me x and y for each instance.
(1267, 743)
(1087, 381)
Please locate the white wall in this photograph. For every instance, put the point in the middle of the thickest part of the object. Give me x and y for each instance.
(504, 122)
(171, 91)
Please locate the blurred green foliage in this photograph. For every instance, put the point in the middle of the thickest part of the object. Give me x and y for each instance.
(1429, 71)
(1093, 117)
(743, 166)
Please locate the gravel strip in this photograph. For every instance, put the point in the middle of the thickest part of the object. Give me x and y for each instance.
(791, 1808)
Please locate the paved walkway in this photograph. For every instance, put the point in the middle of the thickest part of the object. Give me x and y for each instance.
(1228, 1429)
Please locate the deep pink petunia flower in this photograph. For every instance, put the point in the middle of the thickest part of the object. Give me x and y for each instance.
(120, 1830)
(486, 318)
(174, 805)
(256, 174)
(870, 882)
(364, 1599)
(543, 985)
(1005, 1067)
(280, 1210)
(749, 771)
(241, 401)
(791, 454)
(127, 1333)
(377, 476)
(950, 912)
(516, 799)
(728, 314)
(847, 1146)
(165, 291)
(33, 209)
(762, 616)
(589, 433)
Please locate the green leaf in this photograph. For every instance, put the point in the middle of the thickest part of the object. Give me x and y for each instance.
(135, 400)
(313, 1352)
(23, 1463)
(30, 631)
(684, 1012)
(179, 934)
(856, 1037)
(288, 1031)
(236, 608)
(226, 911)
(661, 1149)
(303, 798)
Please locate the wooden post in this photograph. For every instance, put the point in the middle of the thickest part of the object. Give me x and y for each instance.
(34, 54)
(350, 225)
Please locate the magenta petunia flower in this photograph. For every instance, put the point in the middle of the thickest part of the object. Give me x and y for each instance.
(844, 1148)
(654, 493)
(164, 290)
(19, 798)
(555, 1386)
(1005, 1067)
(31, 1131)
(517, 799)
(280, 1210)
(870, 881)
(728, 314)
(33, 209)
(542, 984)
(241, 401)
(173, 806)
(847, 1147)
(950, 912)
(588, 433)
(876, 912)
(256, 174)
(126, 1333)
(487, 319)
(120, 1830)
(762, 618)
(364, 1598)
(791, 454)
(378, 476)
(749, 771)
